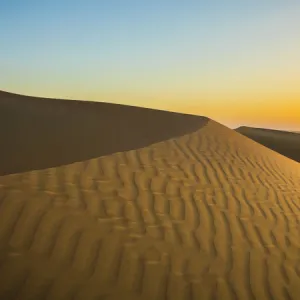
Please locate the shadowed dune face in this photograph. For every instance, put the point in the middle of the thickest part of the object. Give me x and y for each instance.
(208, 215)
(283, 142)
(37, 133)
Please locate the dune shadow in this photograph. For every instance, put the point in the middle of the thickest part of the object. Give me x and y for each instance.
(283, 142)
(38, 133)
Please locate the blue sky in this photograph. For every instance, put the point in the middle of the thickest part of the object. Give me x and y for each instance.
(220, 59)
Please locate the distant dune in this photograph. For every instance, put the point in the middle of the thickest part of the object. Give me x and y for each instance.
(193, 210)
(286, 143)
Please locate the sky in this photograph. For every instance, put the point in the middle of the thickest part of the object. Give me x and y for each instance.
(237, 62)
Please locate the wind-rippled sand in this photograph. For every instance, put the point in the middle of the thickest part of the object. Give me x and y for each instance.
(207, 215)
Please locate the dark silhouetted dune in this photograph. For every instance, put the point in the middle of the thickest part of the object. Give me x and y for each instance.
(204, 214)
(38, 133)
(284, 142)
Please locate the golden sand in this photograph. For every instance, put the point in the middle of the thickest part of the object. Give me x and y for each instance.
(206, 215)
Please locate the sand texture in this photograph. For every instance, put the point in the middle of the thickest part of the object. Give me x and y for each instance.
(208, 215)
(286, 143)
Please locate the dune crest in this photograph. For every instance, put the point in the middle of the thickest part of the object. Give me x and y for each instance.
(38, 133)
(207, 215)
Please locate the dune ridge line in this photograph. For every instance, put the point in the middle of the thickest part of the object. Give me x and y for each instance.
(208, 214)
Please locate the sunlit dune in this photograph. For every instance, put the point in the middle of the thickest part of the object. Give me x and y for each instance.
(142, 204)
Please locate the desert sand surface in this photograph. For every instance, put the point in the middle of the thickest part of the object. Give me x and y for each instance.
(286, 143)
(204, 214)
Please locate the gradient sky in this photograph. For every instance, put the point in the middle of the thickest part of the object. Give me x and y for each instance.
(237, 62)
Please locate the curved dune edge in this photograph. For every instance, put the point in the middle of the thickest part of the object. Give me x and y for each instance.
(40, 133)
(286, 143)
(209, 215)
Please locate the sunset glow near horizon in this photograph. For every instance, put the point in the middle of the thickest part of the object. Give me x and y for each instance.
(236, 63)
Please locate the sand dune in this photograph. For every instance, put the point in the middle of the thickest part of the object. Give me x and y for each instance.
(209, 214)
(38, 133)
(286, 143)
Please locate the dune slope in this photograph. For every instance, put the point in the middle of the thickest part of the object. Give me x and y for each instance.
(284, 142)
(38, 133)
(207, 215)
